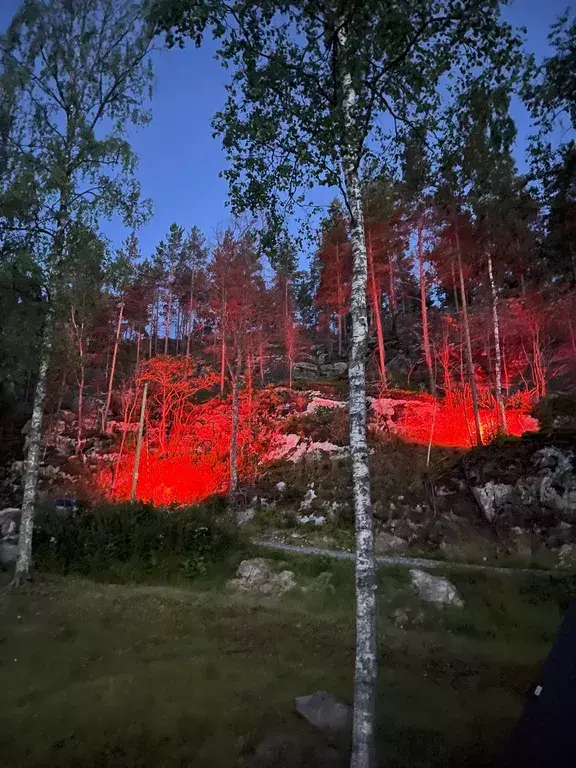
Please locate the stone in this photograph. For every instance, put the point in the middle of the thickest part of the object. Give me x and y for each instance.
(304, 370)
(435, 589)
(308, 499)
(567, 556)
(324, 711)
(311, 519)
(334, 370)
(491, 497)
(281, 487)
(257, 576)
(8, 553)
(388, 542)
(245, 516)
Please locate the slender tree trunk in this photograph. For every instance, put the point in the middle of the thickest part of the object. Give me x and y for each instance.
(222, 365)
(468, 342)
(454, 287)
(168, 321)
(128, 412)
(113, 368)
(366, 664)
(138, 340)
(377, 314)
(497, 349)
(190, 314)
(392, 291)
(261, 361)
(139, 444)
(424, 311)
(235, 422)
(80, 405)
(24, 560)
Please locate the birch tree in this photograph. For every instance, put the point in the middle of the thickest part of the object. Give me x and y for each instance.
(319, 90)
(79, 72)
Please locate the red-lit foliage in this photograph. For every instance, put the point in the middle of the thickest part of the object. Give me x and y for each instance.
(194, 461)
(449, 422)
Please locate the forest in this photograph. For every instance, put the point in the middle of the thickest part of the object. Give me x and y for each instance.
(431, 306)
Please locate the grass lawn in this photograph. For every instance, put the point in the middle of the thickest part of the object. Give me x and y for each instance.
(125, 675)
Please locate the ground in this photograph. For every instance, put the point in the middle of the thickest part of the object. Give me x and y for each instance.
(97, 674)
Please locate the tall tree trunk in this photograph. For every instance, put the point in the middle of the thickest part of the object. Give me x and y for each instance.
(139, 444)
(24, 560)
(424, 311)
(366, 664)
(222, 365)
(190, 314)
(468, 342)
(454, 287)
(113, 368)
(377, 313)
(235, 422)
(138, 340)
(497, 349)
(392, 291)
(168, 319)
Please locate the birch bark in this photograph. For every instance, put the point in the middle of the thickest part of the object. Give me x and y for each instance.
(365, 674)
(497, 348)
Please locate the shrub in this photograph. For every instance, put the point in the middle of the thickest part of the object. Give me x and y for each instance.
(556, 412)
(181, 541)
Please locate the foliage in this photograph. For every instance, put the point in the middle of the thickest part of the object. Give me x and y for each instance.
(98, 540)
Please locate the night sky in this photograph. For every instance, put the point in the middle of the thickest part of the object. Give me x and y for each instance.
(179, 159)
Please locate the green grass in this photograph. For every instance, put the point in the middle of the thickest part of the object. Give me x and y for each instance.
(126, 675)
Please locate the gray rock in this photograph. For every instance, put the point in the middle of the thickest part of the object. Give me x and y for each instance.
(8, 553)
(304, 370)
(491, 497)
(257, 576)
(388, 542)
(323, 710)
(308, 499)
(334, 370)
(567, 556)
(435, 589)
(281, 486)
(245, 516)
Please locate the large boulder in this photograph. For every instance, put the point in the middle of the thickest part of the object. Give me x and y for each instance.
(305, 370)
(257, 577)
(324, 711)
(334, 370)
(435, 589)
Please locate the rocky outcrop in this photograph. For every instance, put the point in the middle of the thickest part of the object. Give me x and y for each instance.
(534, 487)
(257, 577)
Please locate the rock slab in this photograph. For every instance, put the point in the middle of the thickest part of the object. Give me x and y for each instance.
(324, 711)
(435, 589)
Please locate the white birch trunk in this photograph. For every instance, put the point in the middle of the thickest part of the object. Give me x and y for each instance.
(497, 349)
(24, 560)
(113, 368)
(363, 748)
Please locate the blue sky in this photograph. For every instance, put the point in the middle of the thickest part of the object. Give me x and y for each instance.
(179, 159)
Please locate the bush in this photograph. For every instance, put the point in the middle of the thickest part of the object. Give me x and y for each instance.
(556, 412)
(180, 541)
